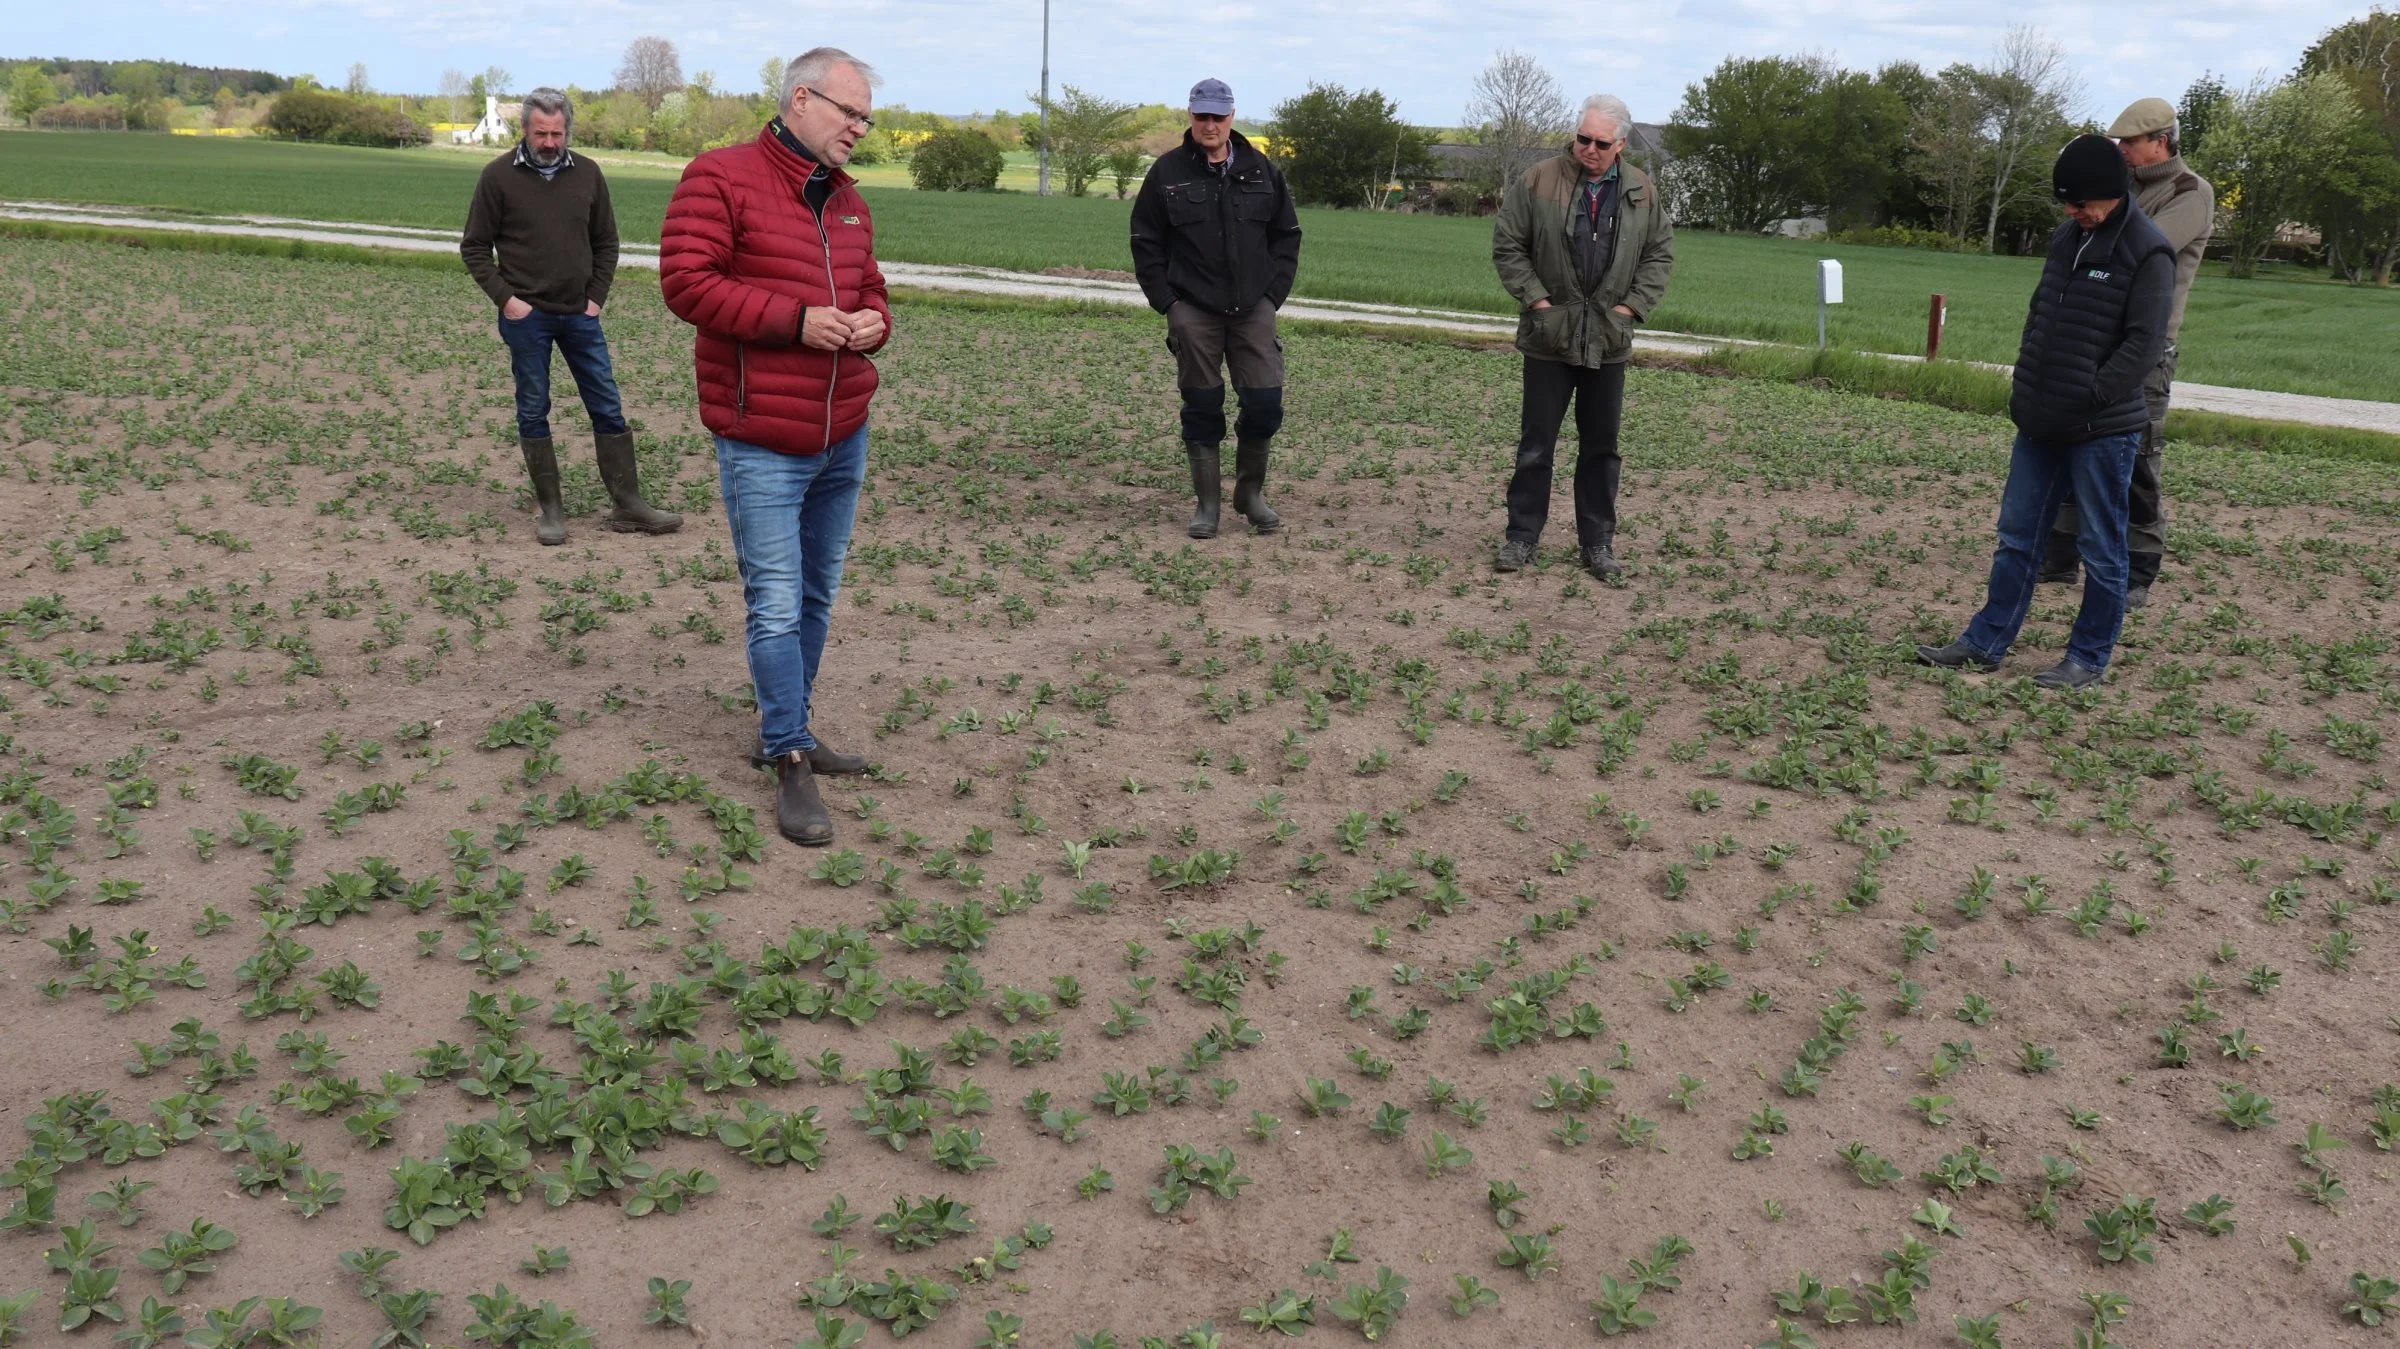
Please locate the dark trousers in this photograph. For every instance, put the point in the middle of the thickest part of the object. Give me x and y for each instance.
(579, 339)
(1205, 345)
(1598, 393)
(2146, 506)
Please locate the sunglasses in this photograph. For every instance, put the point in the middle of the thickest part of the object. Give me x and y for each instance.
(856, 118)
(1212, 117)
(1595, 143)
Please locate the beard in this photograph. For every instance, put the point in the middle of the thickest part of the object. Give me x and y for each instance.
(543, 157)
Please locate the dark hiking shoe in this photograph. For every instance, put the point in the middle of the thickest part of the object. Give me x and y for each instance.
(827, 763)
(2137, 597)
(1515, 555)
(2068, 674)
(541, 465)
(1250, 485)
(800, 813)
(1600, 559)
(1957, 656)
(628, 513)
(1206, 489)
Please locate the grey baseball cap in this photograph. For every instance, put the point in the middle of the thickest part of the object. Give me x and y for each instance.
(1213, 96)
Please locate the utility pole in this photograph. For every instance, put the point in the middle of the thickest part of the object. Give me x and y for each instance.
(1042, 186)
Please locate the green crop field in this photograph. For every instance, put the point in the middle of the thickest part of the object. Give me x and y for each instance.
(2293, 334)
(1315, 933)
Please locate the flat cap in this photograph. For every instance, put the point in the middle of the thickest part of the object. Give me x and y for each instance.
(2143, 117)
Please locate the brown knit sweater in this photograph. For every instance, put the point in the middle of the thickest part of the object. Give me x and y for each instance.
(556, 241)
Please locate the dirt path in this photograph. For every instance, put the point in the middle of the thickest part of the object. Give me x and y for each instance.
(2354, 413)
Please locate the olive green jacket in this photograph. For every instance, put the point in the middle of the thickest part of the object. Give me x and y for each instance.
(1536, 258)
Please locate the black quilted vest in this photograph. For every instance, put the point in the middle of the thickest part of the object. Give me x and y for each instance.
(2084, 313)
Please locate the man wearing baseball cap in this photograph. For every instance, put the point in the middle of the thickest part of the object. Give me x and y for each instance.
(1215, 246)
(2184, 207)
(2095, 330)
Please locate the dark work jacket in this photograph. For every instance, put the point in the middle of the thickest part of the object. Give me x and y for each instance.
(1219, 241)
(2097, 324)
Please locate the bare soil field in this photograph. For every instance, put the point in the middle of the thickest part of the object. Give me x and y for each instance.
(1316, 933)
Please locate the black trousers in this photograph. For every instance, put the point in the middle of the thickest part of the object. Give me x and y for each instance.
(2146, 517)
(1598, 393)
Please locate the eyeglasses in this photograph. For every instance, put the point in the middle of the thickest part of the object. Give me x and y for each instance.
(1595, 143)
(1212, 117)
(856, 118)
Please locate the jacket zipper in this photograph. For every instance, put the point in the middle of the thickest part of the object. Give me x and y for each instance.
(741, 379)
(833, 290)
(2073, 267)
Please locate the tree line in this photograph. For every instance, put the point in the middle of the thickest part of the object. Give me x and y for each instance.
(1961, 156)
(132, 95)
(1957, 157)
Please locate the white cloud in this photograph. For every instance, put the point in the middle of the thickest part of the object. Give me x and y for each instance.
(961, 55)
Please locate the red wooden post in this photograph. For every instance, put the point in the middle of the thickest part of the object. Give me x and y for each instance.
(1936, 318)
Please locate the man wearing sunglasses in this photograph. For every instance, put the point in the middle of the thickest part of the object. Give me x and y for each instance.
(1585, 246)
(769, 252)
(2095, 330)
(1216, 244)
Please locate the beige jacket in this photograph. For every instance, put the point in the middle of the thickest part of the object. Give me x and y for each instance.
(2184, 207)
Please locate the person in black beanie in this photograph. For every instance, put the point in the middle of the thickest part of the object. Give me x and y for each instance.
(2097, 324)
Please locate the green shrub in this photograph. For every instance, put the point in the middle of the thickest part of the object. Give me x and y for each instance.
(306, 114)
(956, 159)
(1905, 236)
(323, 115)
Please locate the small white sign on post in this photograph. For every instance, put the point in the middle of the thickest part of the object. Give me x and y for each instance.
(1829, 291)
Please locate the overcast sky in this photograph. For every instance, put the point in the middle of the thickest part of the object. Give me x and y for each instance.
(960, 56)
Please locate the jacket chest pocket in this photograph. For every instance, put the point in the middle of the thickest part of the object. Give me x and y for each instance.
(1252, 201)
(2099, 290)
(1195, 204)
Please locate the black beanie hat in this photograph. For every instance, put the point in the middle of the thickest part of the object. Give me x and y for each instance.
(2091, 168)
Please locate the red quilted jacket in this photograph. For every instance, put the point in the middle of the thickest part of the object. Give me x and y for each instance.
(739, 255)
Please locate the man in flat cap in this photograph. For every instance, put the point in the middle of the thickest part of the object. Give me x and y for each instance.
(1216, 244)
(2184, 207)
(2095, 330)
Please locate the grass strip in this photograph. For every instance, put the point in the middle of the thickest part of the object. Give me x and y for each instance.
(1970, 388)
(239, 245)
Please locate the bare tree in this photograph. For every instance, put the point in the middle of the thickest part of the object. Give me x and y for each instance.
(650, 69)
(496, 80)
(356, 86)
(1519, 115)
(454, 88)
(2029, 92)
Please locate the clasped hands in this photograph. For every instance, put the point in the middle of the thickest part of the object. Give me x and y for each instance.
(829, 329)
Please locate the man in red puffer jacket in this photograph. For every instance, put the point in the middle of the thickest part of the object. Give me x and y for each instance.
(769, 252)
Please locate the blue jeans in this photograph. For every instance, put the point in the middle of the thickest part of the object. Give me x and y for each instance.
(579, 339)
(2100, 472)
(791, 516)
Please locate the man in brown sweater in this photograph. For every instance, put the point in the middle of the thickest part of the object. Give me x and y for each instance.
(541, 240)
(2184, 207)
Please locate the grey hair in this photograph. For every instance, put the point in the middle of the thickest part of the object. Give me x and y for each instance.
(810, 66)
(1614, 109)
(549, 100)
